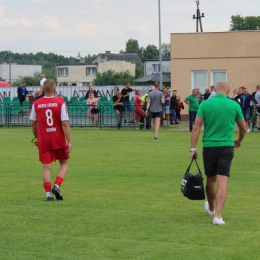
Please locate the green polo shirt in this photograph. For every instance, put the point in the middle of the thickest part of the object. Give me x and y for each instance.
(220, 114)
(194, 103)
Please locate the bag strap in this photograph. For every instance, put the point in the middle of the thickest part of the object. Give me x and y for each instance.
(193, 159)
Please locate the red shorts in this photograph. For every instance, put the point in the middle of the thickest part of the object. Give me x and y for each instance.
(47, 157)
(138, 114)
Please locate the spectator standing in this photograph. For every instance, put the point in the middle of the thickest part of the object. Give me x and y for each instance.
(92, 111)
(139, 112)
(213, 92)
(219, 116)
(206, 94)
(199, 95)
(234, 94)
(257, 98)
(42, 83)
(125, 92)
(146, 118)
(50, 126)
(193, 104)
(118, 108)
(166, 105)
(155, 102)
(178, 109)
(22, 92)
(245, 104)
(173, 105)
(90, 91)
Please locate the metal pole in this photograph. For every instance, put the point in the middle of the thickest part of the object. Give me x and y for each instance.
(160, 46)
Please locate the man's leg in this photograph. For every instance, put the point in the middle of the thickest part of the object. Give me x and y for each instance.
(156, 126)
(59, 179)
(221, 194)
(211, 191)
(46, 177)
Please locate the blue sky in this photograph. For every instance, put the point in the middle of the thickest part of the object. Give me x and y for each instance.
(93, 26)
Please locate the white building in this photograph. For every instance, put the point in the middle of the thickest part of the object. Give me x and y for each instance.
(153, 66)
(12, 72)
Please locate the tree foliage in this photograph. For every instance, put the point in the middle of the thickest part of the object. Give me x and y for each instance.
(166, 50)
(111, 77)
(244, 23)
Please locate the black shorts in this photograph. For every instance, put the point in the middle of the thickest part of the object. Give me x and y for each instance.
(217, 160)
(157, 114)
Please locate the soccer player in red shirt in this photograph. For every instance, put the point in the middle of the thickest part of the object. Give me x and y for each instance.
(50, 125)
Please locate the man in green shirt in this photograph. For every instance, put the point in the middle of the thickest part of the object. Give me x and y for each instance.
(193, 104)
(219, 115)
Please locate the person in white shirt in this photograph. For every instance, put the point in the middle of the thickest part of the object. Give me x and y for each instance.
(42, 81)
(213, 93)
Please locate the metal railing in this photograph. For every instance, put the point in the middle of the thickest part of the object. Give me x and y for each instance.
(79, 115)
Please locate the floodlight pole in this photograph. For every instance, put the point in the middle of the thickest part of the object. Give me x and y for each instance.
(160, 45)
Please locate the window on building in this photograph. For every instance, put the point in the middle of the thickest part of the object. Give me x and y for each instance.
(199, 79)
(92, 71)
(217, 75)
(156, 68)
(63, 72)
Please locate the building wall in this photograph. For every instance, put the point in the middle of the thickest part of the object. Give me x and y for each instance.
(76, 75)
(17, 71)
(236, 52)
(166, 67)
(117, 66)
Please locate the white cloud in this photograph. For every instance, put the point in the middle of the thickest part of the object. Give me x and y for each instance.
(86, 29)
(142, 29)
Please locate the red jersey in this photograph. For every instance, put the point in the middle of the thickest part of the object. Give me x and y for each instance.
(138, 103)
(49, 114)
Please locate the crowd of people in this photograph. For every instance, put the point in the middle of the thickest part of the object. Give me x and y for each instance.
(240, 95)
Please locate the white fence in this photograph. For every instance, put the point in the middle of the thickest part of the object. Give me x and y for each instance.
(69, 91)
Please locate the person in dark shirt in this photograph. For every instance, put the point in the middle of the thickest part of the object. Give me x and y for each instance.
(90, 91)
(118, 108)
(125, 92)
(206, 94)
(173, 105)
(22, 92)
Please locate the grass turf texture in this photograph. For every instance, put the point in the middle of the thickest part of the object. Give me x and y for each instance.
(122, 200)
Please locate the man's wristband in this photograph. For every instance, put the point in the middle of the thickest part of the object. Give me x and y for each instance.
(192, 149)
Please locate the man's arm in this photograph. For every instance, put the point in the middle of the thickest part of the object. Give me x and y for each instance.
(66, 130)
(242, 132)
(195, 135)
(187, 102)
(34, 128)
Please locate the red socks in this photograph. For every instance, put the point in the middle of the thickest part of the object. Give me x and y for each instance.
(58, 181)
(47, 187)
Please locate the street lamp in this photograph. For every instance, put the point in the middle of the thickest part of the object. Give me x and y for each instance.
(160, 46)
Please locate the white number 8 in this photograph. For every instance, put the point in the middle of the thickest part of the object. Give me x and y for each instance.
(49, 118)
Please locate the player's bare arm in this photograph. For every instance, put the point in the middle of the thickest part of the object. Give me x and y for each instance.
(195, 136)
(34, 130)
(242, 132)
(66, 130)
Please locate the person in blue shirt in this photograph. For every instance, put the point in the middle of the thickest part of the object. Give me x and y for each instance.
(22, 92)
(244, 100)
(166, 106)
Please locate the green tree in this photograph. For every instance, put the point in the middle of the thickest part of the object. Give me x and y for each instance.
(166, 50)
(89, 58)
(244, 23)
(150, 52)
(111, 77)
(132, 46)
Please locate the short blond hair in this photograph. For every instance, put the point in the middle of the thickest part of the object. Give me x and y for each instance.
(49, 85)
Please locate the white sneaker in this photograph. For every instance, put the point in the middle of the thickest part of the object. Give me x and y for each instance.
(248, 130)
(218, 221)
(206, 207)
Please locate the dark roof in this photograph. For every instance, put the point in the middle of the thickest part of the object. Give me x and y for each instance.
(167, 59)
(122, 56)
(74, 64)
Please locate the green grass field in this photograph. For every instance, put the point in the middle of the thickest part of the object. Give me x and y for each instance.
(122, 200)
